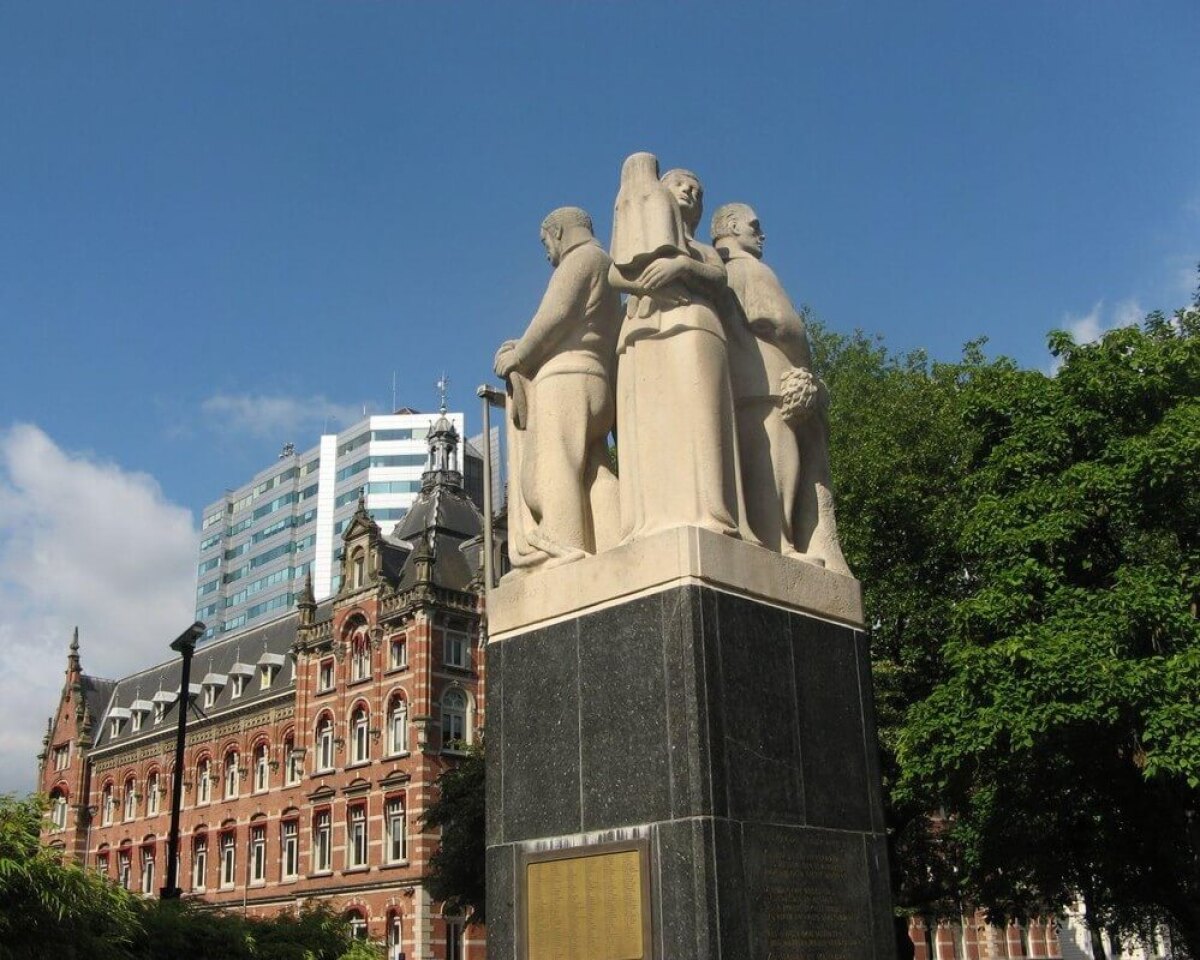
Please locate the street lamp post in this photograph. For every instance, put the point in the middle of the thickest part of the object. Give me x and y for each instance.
(185, 646)
(491, 397)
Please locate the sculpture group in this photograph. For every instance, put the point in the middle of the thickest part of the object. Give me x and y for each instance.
(703, 376)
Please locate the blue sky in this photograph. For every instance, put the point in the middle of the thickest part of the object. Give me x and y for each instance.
(224, 224)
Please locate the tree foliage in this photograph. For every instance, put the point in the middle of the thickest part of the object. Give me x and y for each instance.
(52, 908)
(457, 869)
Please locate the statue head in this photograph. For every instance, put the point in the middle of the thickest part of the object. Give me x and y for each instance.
(736, 226)
(688, 192)
(563, 229)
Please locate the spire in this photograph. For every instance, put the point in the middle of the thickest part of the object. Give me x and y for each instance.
(442, 468)
(307, 602)
(443, 384)
(73, 667)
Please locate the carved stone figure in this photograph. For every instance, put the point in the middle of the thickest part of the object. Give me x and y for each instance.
(562, 491)
(676, 440)
(782, 427)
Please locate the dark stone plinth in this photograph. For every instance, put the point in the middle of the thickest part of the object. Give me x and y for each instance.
(738, 736)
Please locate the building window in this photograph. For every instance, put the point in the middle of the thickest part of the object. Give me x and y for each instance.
(204, 781)
(108, 805)
(58, 810)
(454, 938)
(160, 710)
(292, 761)
(237, 686)
(62, 757)
(325, 745)
(210, 695)
(262, 775)
(258, 854)
(199, 862)
(228, 860)
(102, 863)
(395, 938)
(130, 799)
(147, 870)
(152, 794)
(398, 652)
(322, 843)
(325, 676)
(398, 725)
(136, 722)
(397, 840)
(266, 675)
(358, 925)
(114, 727)
(360, 659)
(123, 867)
(358, 570)
(356, 837)
(231, 775)
(455, 732)
(457, 650)
(359, 734)
(291, 849)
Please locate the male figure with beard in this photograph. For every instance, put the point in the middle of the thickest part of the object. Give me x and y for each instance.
(782, 428)
(562, 490)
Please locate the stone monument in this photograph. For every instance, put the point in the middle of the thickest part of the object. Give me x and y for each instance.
(680, 738)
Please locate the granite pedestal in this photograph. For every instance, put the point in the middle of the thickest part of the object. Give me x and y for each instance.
(644, 696)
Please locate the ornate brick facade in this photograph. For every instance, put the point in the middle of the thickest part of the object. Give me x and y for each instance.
(314, 742)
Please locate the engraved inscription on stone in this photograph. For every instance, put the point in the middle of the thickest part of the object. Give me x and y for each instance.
(585, 908)
(810, 907)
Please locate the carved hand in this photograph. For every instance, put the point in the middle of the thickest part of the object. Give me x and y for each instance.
(506, 360)
(663, 271)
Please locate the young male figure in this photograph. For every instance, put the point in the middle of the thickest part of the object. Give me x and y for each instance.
(563, 493)
(785, 465)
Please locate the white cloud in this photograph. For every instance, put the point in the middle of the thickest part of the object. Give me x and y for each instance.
(1098, 321)
(81, 542)
(280, 418)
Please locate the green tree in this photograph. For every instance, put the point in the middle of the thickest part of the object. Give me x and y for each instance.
(50, 908)
(1063, 734)
(457, 870)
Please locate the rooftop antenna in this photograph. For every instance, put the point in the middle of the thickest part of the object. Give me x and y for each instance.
(443, 384)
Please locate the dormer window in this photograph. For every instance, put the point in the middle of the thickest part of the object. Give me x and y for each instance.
(211, 685)
(160, 708)
(137, 722)
(162, 699)
(237, 685)
(269, 666)
(210, 695)
(265, 676)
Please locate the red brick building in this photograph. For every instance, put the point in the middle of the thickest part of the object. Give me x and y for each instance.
(314, 742)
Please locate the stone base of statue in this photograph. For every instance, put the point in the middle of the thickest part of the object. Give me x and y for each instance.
(681, 760)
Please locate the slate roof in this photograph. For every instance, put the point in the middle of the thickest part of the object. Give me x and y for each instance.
(447, 520)
(271, 642)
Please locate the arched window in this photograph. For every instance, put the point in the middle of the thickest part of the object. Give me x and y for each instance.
(325, 743)
(358, 924)
(58, 809)
(130, 798)
(262, 768)
(102, 855)
(360, 656)
(124, 861)
(152, 790)
(108, 805)
(231, 775)
(199, 861)
(395, 937)
(291, 760)
(204, 781)
(456, 730)
(397, 727)
(359, 724)
(148, 868)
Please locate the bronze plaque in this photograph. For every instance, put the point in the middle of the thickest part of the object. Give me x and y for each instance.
(587, 903)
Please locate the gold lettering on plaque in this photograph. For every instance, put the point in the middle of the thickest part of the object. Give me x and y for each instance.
(809, 907)
(585, 908)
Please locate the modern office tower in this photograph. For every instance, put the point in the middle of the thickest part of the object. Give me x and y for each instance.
(258, 542)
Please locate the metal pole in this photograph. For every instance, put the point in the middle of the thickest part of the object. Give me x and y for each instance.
(185, 645)
(491, 398)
